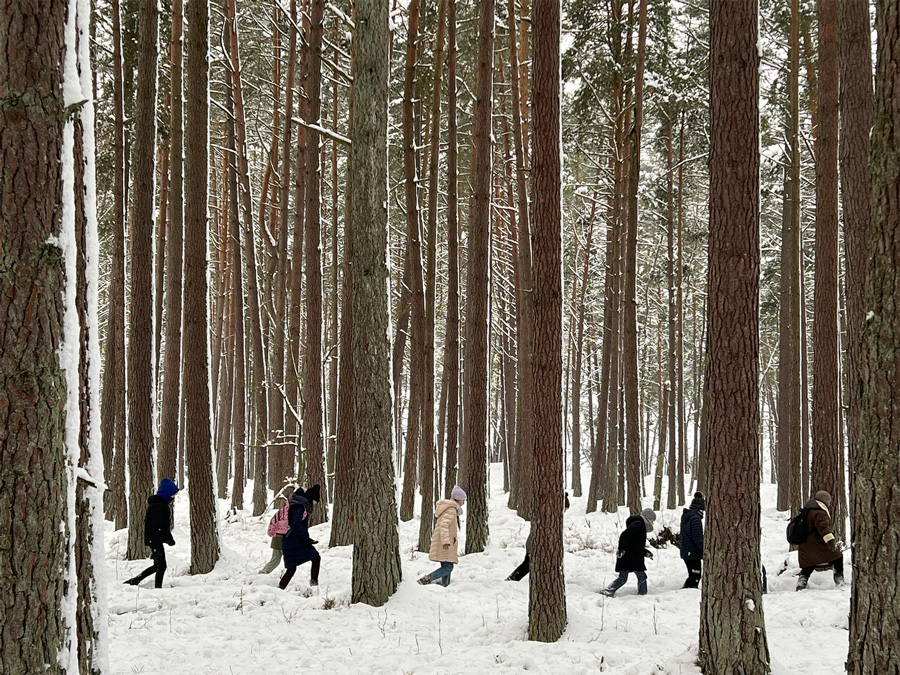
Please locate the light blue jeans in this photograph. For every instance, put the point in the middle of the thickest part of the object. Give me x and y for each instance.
(619, 581)
(442, 573)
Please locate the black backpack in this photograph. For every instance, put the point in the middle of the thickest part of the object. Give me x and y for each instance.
(798, 528)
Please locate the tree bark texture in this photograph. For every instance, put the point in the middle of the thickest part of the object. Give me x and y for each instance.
(874, 610)
(313, 402)
(168, 438)
(547, 591)
(140, 340)
(828, 454)
(198, 437)
(376, 550)
(32, 402)
(477, 291)
(856, 123)
(417, 382)
(732, 627)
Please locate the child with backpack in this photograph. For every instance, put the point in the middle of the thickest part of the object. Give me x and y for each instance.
(297, 547)
(631, 553)
(818, 548)
(278, 527)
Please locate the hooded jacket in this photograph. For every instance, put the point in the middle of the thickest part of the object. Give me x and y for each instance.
(814, 551)
(692, 534)
(444, 537)
(157, 523)
(630, 556)
(297, 546)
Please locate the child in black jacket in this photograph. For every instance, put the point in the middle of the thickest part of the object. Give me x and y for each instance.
(157, 531)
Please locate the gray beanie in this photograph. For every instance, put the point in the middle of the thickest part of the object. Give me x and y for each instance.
(824, 497)
(458, 494)
(649, 516)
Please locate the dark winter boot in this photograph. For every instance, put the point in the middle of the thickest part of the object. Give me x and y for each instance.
(134, 581)
(801, 583)
(608, 592)
(425, 580)
(838, 580)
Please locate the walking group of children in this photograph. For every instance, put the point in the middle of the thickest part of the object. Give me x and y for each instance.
(290, 540)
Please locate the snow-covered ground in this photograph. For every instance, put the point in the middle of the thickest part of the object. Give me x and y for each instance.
(236, 621)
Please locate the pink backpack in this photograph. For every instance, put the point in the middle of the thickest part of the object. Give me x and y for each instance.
(279, 523)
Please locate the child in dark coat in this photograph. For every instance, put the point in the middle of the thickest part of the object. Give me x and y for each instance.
(297, 547)
(821, 548)
(692, 540)
(523, 569)
(631, 553)
(157, 531)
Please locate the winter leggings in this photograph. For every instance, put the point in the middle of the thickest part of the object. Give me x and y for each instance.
(442, 573)
(619, 581)
(694, 569)
(273, 563)
(158, 555)
(289, 574)
(522, 570)
(837, 566)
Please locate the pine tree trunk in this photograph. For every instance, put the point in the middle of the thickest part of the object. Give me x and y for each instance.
(475, 373)
(417, 382)
(140, 340)
(335, 285)
(451, 355)
(256, 335)
(874, 611)
(630, 352)
(828, 464)
(33, 508)
(168, 439)
(117, 502)
(579, 359)
(547, 592)
(427, 444)
(732, 627)
(160, 248)
(198, 441)
(239, 404)
(856, 123)
(670, 409)
(313, 404)
(376, 551)
(524, 289)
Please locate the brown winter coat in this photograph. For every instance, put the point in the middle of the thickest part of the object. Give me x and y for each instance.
(814, 551)
(443, 539)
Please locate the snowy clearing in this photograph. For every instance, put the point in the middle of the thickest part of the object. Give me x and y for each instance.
(235, 620)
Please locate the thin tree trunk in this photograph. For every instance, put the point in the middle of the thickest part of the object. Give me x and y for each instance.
(477, 291)
(427, 445)
(828, 466)
(335, 284)
(732, 627)
(256, 338)
(168, 438)
(140, 342)
(417, 382)
(670, 414)
(451, 354)
(313, 404)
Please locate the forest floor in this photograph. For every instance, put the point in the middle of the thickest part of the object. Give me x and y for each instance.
(236, 621)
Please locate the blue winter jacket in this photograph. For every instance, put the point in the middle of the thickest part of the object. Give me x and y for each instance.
(297, 546)
(692, 534)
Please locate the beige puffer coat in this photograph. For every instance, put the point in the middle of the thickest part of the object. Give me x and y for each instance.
(443, 539)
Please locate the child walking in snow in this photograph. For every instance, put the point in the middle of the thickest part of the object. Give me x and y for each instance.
(444, 537)
(525, 567)
(297, 547)
(278, 527)
(692, 540)
(157, 531)
(631, 553)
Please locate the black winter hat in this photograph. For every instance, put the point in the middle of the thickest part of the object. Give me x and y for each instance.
(698, 502)
(313, 493)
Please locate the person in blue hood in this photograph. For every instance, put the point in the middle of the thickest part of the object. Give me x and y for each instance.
(297, 547)
(158, 531)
